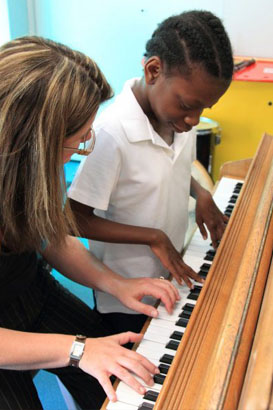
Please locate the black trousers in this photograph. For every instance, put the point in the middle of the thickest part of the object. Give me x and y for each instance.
(122, 322)
(47, 307)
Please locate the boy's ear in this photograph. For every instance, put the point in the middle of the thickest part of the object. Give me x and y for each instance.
(152, 69)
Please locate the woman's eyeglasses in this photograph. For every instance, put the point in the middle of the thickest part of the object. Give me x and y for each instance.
(84, 151)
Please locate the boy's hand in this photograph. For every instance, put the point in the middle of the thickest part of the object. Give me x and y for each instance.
(207, 213)
(171, 259)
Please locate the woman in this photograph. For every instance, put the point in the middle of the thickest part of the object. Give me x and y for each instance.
(49, 96)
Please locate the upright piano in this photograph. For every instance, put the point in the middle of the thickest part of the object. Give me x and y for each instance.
(215, 351)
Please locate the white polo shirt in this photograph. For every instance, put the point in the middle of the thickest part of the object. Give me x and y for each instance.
(134, 177)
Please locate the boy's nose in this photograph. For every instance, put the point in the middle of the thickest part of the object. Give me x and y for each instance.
(193, 117)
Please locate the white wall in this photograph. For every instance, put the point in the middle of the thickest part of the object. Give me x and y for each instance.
(250, 26)
(114, 32)
(4, 23)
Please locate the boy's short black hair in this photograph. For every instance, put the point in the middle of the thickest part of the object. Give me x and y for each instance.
(193, 37)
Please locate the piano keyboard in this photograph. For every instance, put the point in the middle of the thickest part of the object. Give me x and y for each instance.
(164, 333)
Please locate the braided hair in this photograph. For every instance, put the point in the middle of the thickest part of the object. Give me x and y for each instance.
(190, 38)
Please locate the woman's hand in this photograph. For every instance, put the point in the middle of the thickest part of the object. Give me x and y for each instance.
(163, 248)
(131, 291)
(207, 213)
(105, 356)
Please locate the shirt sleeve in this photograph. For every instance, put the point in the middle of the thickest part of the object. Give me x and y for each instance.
(98, 173)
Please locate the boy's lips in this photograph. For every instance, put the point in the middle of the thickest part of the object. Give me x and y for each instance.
(179, 129)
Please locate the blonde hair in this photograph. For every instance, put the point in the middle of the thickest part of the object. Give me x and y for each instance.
(47, 93)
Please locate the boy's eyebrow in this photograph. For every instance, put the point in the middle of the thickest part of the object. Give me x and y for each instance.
(196, 104)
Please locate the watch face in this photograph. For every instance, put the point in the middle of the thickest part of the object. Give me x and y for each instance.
(77, 351)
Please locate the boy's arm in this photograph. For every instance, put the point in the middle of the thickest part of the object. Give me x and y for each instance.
(100, 229)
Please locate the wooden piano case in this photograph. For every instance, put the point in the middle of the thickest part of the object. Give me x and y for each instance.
(209, 370)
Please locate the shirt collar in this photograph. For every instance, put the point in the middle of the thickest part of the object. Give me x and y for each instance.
(134, 121)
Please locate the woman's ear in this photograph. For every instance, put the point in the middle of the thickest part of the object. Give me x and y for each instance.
(152, 69)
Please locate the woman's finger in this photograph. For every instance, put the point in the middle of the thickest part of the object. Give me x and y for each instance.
(107, 386)
(138, 369)
(123, 374)
(167, 285)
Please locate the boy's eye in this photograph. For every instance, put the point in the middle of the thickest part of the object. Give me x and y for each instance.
(185, 107)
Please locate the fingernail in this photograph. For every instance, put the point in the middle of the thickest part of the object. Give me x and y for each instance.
(142, 390)
(154, 313)
(157, 371)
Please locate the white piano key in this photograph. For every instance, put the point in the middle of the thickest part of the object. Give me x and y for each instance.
(163, 314)
(197, 248)
(154, 334)
(156, 387)
(118, 405)
(153, 350)
(194, 262)
(165, 324)
(126, 394)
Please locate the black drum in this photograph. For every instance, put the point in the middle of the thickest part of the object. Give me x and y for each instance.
(208, 135)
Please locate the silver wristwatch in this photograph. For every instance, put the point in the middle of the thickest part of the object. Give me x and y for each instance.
(77, 350)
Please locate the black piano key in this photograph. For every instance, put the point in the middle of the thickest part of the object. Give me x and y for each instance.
(229, 208)
(205, 267)
(185, 314)
(151, 395)
(166, 358)
(227, 213)
(217, 244)
(202, 274)
(172, 344)
(211, 252)
(163, 368)
(192, 296)
(209, 257)
(188, 307)
(145, 406)
(234, 197)
(232, 201)
(196, 290)
(159, 378)
(176, 335)
(239, 184)
(182, 322)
